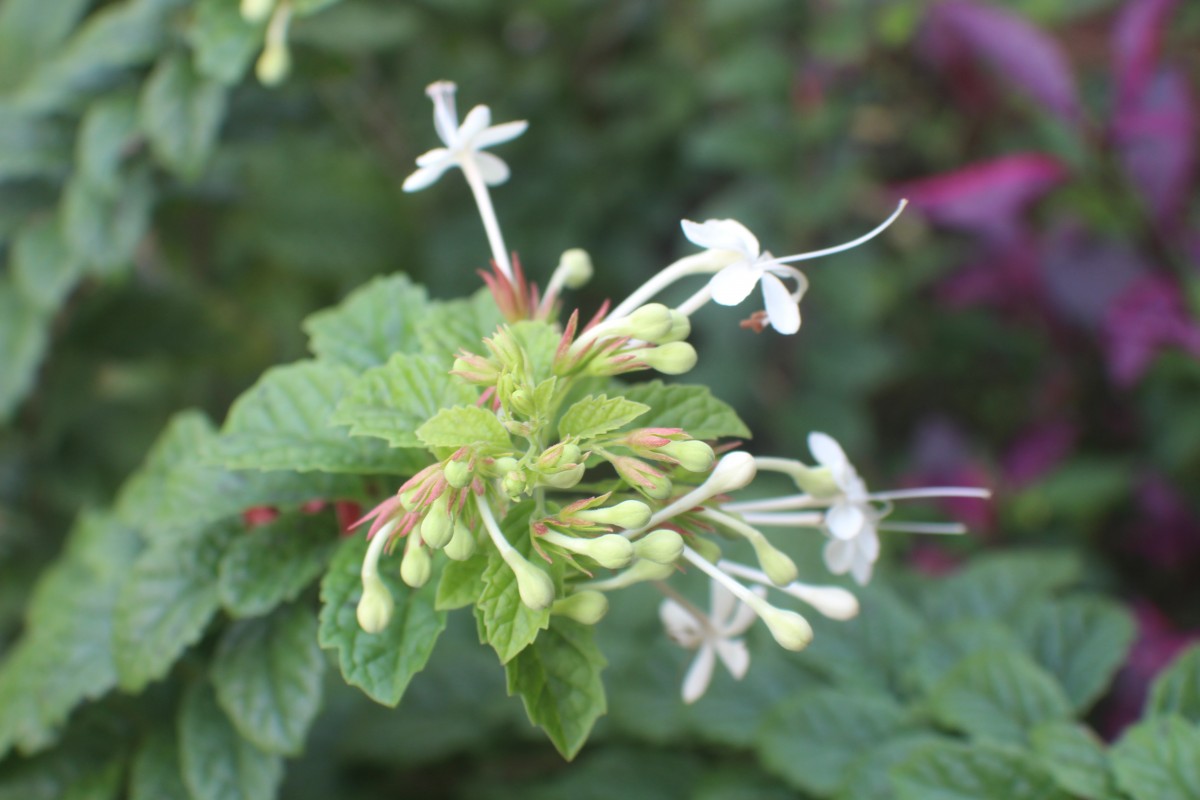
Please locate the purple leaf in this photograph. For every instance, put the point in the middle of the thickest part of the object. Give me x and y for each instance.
(1148, 316)
(1006, 278)
(987, 197)
(1155, 135)
(1016, 50)
(1084, 274)
(1038, 450)
(1137, 42)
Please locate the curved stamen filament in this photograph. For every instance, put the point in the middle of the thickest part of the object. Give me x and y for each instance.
(828, 251)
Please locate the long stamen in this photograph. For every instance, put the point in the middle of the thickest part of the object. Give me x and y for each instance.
(786, 503)
(695, 302)
(695, 264)
(720, 576)
(841, 247)
(948, 528)
(784, 520)
(933, 492)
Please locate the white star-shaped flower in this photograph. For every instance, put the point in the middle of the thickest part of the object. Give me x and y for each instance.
(851, 519)
(462, 142)
(711, 636)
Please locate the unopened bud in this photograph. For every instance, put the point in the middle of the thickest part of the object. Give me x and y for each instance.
(504, 465)
(706, 548)
(462, 543)
(649, 322)
(533, 585)
(274, 64)
(514, 484)
(832, 601)
(520, 401)
(437, 527)
(692, 455)
(375, 609)
(779, 568)
(563, 454)
(663, 546)
(629, 514)
(457, 474)
(611, 551)
(734, 471)
(256, 11)
(587, 607)
(817, 481)
(575, 265)
(681, 328)
(416, 566)
(642, 570)
(790, 630)
(643, 477)
(672, 358)
(564, 478)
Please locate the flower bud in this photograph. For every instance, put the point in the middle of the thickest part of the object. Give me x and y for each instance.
(663, 546)
(587, 607)
(629, 514)
(790, 630)
(274, 64)
(514, 484)
(692, 455)
(462, 543)
(563, 454)
(643, 477)
(832, 601)
(673, 358)
(779, 568)
(707, 548)
(437, 527)
(520, 401)
(575, 265)
(416, 566)
(642, 570)
(649, 322)
(564, 478)
(611, 551)
(476, 369)
(376, 606)
(817, 481)
(681, 328)
(734, 471)
(457, 474)
(504, 464)
(256, 11)
(533, 585)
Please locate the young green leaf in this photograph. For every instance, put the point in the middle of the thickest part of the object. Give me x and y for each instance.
(692, 408)
(166, 602)
(374, 322)
(181, 113)
(462, 324)
(1076, 759)
(508, 625)
(558, 680)
(1177, 688)
(381, 664)
(391, 401)
(949, 644)
(1159, 759)
(267, 675)
(275, 562)
(955, 771)
(594, 416)
(462, 426)
(217, 763)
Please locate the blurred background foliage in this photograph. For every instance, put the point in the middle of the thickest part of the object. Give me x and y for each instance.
(167, 222)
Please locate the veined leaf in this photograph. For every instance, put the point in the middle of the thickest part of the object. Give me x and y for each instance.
(275, 562)
(1076, 758)
(223, 42)
(508, 625)
(156, 772)
(461, 325)
(595, 416)
(217, 763)
(181, 113)
(954, 771)
(464, 426)
(1177, 688)
(462, 582)
(1159, 759)
(374, 322)
(693, 408)
(22, 343)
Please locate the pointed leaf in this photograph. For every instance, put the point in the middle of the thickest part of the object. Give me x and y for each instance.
(371, 324)
(102, 228)
(465, 426)
(223, 43)
(381, 664)
(275, 562)
(462, 582)
(106, 134)
(181, 113)
(953, 771)
(462, 325)
(22, 343)
(558, 680)
(42, 266)
(1159, 759)
(217, 763)
(1001, 585)
(156, 772)
(595, 416)
(1176, 690)
(508, 625)
(692, 408)
(1076, 758)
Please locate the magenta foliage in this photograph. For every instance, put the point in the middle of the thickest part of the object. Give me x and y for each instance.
(1147, 317)
(1083, 273)
(1137, 44)
(1157, 644)
(1166, 533)
(1038, 450)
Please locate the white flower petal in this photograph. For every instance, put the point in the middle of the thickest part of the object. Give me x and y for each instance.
(498, 134)
(722, 603)
(861, 571)
(699, 675)
(681, 625)
(826, 450)
(734, 283)
(492, 168)
(477, 119)
(868, 543)
(722, 234)
(782, 311)
(424, 177)
(839, 555)
(845, 520)
(734, 656)
(743, 616)
(433, 157)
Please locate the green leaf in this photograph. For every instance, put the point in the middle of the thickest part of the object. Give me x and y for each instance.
(103, 229)
(85, 765)
(594, 416)
(156, 773)
(1000, 585)
(381, 664)
(106, 134)
(217, 763)
(275, 562)
(267, 673)
(692, 408)
(953, 771)
(508, 625)
(1177, 688)
(462, 582)
(393, 400)
(1076, 759)
(1082, 641)
(31, 146)
(1159, 759)
(223, 43)
(461, 325)
(869, 775)
(936, 655)
(42, 266)
(558, 680)
(166, 603)
(374, 322)
(181, 113)
(811, 738)
(464, 426)
(22, 343)
(998, 694)
(281, 423)
(29, 30)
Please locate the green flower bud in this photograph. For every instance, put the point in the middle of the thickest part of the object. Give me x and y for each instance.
(672, 358)
(649, 322)
(504, 465)
(790, 630)
(533, 585)
(514, 484)
(563, 479)
(629, 514)
(416, 566)
(457, 474)
(520, 401)
(681, 328)
(587, 607)
(734, 471)
(692, 455)
(437, 527)
(642, 570)
(376, 606)
(462, 543)
(817, 481)
(256, 11)
(707, 548)
(611, 551)
(274, 64)
(563, 454)
(663, 546)
(575, 265)
(779, 568)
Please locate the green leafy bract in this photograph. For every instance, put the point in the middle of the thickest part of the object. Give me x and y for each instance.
(464, 426)
(595, 416)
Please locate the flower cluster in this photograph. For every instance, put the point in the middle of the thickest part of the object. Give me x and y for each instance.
(609, 504)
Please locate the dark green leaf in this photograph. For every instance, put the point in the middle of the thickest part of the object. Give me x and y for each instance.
(275, 562)
(1159, 759)
(953, 771)
(1177, 688)
(181, 113)
(29, 30)
(156, 771)
(267, 674)
(217, 763)
(381, 664)
(102, 229)
(949, 644)
(1076, 759)
(31, 146)
(558, 680)
(594, 416)
(999, 585)
(223, 43)
(692, 408)
(461, 325)
(465, 426)
(42, 266)
(22, 343)
(374, 322)
(108, 129)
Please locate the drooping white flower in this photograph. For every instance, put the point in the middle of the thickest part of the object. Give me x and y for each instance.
(714, 635)
(735, 282)
(851, 519)
(463, 143)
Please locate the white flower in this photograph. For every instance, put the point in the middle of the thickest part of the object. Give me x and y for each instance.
(711, 636)
(734, 283)
(851, 519)
(463, 142)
